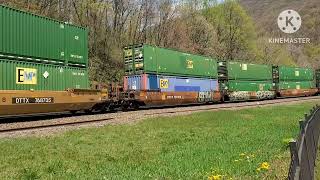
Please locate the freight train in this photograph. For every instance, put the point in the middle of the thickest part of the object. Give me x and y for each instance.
(44, 69)
(159, 76)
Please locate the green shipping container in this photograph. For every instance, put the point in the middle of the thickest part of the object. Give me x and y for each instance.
(318, 78)
(318, 74)
(25, 36)
(154, 60)
(295, 74)
(21, 75)
(283, 85)
(234, 85)
(245, 71)
(76, 45)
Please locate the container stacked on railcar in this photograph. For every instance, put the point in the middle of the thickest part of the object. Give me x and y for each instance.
(39, 53)
(25, 36)
(43, 65)
(294, 81)
(23, 75)
(318, 79)
(244, 81)
(147, 59)
(164, 76)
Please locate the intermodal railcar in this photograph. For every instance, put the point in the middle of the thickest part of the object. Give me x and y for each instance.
(160, 77)
(43, 66)
(34, 102)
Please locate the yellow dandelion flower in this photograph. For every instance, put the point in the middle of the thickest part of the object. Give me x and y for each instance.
(215, 177)
(242, 154)
(258, 169)
(265, 166)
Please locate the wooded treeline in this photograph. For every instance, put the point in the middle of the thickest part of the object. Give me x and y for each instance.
(206, 27)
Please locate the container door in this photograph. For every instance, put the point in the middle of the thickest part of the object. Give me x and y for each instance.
(60, 42)
(128, 60)
(150, 59)
(77, 78)
(76, 45)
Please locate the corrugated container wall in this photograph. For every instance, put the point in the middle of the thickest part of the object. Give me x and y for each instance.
(20, 75)
(295, 74)
(154, 60)
(244, 71)
(318, 78)
(169, 83)
(34, 38)
(76, 47)
(250, 85)
(296, 85)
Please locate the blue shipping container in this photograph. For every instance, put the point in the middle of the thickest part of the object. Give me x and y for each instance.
(169, 83)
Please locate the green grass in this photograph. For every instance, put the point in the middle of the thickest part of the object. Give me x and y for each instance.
(187, 147)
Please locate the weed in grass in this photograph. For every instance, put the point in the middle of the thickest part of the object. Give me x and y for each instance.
(54, 167)
(29, 174)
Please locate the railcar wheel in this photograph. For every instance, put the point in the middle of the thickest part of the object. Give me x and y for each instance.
(88, 111)
(73, 112)
(125, 108)
(111, 109)
(135, 106)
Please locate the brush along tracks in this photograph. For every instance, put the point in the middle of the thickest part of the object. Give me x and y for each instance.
(47, 127)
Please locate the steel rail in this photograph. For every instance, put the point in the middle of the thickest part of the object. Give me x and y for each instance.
(174, 110)
(236, 105)
(53, 125)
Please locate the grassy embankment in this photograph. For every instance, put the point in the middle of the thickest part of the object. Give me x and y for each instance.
(232, 144)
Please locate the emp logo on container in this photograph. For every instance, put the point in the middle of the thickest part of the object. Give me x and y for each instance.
(26, 75)
(164, 83)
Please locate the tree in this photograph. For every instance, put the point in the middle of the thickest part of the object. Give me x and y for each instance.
(235, 31)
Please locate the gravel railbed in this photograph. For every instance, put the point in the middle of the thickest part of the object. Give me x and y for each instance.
(130, 117)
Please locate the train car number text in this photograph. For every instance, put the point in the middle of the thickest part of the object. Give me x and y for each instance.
(32, 100)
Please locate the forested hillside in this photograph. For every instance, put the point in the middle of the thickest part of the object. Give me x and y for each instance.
(265, 13)
(231, 30)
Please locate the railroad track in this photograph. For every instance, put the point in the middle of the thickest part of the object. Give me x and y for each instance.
(252, 104)
(135, 115)
(53, 125)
